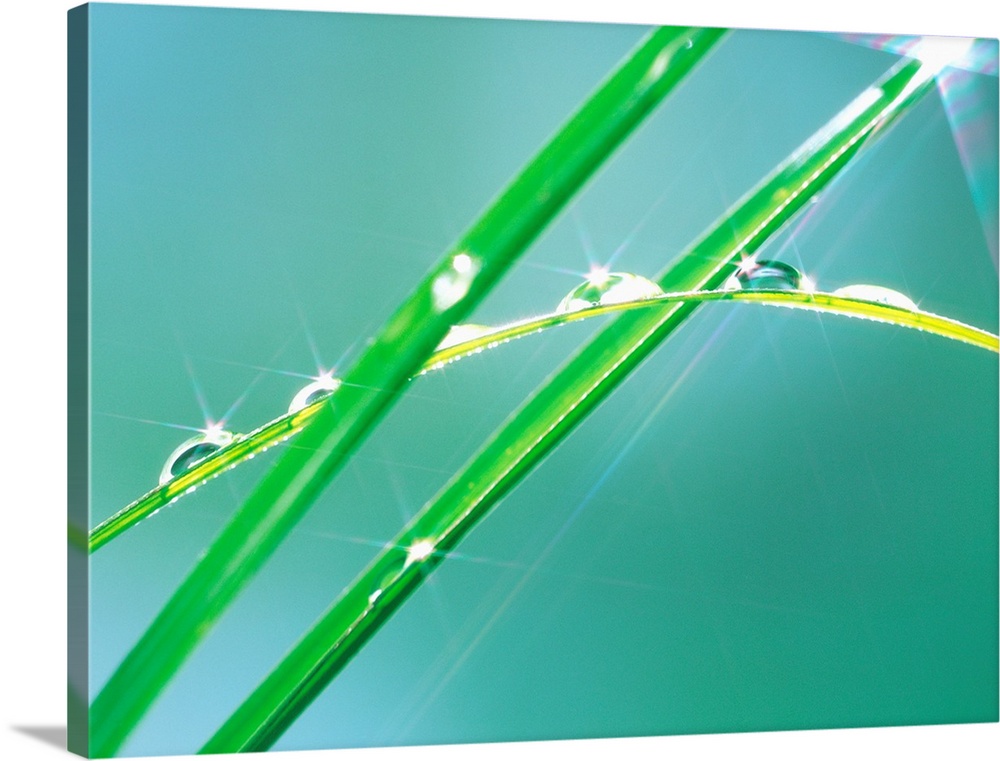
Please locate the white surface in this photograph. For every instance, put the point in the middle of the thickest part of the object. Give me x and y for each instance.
(32, 277)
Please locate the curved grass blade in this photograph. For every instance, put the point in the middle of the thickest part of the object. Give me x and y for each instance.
(241, 448)
(451, 289)
(282, 428)
(551, 412)
(816, 301)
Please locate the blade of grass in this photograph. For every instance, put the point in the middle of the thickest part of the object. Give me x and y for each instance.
(451, 289)
(282, 428)
(550, 413)
(815, 301)
(285, 426)
(288, 425)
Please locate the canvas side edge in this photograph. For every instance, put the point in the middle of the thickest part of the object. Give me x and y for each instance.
(78, 378)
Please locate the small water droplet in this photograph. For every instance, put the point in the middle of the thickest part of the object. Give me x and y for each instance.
(461, 333)
(602, 288)
(688, 44)
(767, 275)
(322, 386)
(391, 567)
(193, 451)
(453, 283)
(878, 294)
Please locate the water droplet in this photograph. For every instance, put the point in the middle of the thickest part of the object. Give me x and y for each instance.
(688, 44)
(878, 294)
(395, 564)
(462, 333)
(193, 451)
(602, 288)
(392, 567)
(453, 283)
(322, 386)
(766, 275)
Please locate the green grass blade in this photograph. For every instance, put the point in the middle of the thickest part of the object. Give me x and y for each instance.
(550, 413)
(241, 449)
(816, 301)
(451, 289)
(282, 428)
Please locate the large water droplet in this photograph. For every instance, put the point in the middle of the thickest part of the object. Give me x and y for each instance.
(193, 451)
(322, 386)
(766, 275)
(602, 288)
(876, 293)
(461, 333)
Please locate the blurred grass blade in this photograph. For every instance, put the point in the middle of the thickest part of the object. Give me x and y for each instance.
(451, 289)
(551, 412)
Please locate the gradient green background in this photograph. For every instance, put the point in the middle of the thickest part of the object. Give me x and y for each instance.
(781, 521)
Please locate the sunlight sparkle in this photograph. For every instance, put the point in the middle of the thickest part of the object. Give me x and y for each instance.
(419, 551)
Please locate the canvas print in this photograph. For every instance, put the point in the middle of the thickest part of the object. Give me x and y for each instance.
(439, 380)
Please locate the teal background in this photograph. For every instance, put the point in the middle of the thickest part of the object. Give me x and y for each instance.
(783, 520)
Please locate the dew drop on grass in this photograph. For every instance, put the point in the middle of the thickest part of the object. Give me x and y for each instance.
(451, 285)
(602, 288)
(193, 451)
(767, 275)
(877, 294)
(395, 564)
(392, 567)
(322, 386)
